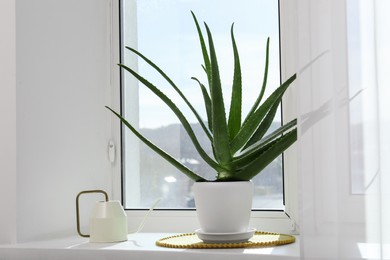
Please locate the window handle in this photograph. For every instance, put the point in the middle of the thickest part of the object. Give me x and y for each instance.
(111, 151)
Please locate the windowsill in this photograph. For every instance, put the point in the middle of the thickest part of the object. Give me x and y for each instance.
(138, 246)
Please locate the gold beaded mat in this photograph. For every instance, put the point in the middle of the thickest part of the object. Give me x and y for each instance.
(259, 239)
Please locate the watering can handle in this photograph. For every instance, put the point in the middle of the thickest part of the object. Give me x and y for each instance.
(77, 207)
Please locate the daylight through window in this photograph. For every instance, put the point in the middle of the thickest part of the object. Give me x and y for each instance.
(164, 31)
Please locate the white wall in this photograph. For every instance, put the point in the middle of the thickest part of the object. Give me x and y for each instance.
(7, 122)
(63, 78)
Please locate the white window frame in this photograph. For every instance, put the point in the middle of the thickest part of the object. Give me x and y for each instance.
(185, 220)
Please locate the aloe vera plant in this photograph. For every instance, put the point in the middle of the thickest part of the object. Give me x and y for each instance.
(241, 149)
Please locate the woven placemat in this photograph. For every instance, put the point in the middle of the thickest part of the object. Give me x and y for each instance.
(259, 239)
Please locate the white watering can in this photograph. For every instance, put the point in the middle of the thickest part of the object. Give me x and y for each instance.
(108, 220)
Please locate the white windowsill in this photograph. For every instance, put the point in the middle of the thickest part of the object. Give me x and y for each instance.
(139, 246)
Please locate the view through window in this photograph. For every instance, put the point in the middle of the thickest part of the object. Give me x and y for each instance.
(164, 31)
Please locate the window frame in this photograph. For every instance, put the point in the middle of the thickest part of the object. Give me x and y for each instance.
(185, 220)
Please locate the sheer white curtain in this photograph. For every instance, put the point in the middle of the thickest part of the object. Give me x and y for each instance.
(343, 60)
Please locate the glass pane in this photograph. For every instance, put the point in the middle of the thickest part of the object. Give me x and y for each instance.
(164, 31)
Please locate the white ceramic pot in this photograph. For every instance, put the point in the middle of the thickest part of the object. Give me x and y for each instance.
(223, 207)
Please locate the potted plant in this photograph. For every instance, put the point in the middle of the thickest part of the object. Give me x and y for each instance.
(242, 147)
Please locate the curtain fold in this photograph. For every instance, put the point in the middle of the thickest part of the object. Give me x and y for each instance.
(343, 111)
(382, 51)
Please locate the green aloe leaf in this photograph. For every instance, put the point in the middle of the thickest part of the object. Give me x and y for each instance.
(179, 115)
(207, 102)
(244, 161)
(234, 123)
(264, 125)
(247, 155)
(229, 136)
(200, 120)
(267, 156)
(284, 128)
(206, 58)
(265, 77)
(159, 151)
(248, 128)
(220, 131)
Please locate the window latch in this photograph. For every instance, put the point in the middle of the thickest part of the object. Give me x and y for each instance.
(111, 151)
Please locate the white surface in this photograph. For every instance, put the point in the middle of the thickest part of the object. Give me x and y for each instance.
(139, 246)
(382, 20)
(63, 83)
(55, 81)
(7, 122)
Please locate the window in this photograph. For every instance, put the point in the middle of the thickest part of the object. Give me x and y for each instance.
(164, 32)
